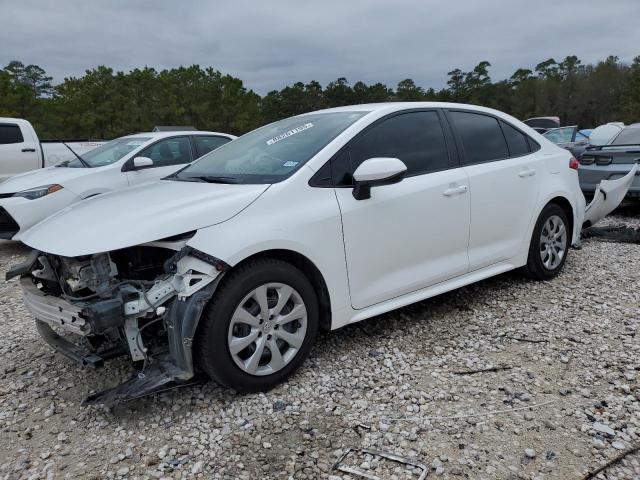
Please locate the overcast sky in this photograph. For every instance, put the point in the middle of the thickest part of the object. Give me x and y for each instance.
(270, 44)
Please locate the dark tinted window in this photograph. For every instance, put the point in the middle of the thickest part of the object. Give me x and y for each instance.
(10, 134)
(171, 151)
(481, 136)
(206, 144)
(628, 136)
(416, 138)
(516, 140)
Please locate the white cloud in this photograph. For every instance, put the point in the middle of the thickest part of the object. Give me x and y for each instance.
(271, 44)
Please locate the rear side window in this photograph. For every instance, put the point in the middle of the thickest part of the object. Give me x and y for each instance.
(516, 140)
(10, 134)
(206, 144)
(628, 136)
(481, 136)
(416, 138)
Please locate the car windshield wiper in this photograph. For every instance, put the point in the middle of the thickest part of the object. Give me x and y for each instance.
(210, 179)
(82, 160)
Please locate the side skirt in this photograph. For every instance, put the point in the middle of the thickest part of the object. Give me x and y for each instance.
(432, 291)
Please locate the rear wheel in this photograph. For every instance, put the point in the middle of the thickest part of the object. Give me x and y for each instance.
(549, 244)
(259, 327)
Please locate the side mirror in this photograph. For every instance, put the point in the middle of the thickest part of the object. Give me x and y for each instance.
(375, 172)
(142, 162)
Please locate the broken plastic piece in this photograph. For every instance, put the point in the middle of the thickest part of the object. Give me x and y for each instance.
(388, 455)
(159, 376)
(608, 195)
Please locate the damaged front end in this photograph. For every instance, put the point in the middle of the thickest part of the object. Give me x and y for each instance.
(143, 301)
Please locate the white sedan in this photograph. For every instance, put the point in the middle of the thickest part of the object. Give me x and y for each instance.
(313, 222)
(30, 197)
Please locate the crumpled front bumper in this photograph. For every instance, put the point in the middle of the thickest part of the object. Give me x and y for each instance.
(54, 311)
(99, 318)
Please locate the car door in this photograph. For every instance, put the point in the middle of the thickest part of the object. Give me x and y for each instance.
(18, 152)
(168, 155)
(411, 234)
(503, 181)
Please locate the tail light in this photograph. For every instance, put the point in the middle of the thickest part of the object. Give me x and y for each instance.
(573, 163)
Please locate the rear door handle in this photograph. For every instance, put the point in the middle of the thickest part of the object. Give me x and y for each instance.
(529, 172)
(28, 149)
(449, 192)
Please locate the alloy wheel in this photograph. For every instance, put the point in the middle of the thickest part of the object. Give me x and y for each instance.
(553, 242)
(267, 329)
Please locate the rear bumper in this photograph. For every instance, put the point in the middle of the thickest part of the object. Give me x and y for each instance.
(591, 175)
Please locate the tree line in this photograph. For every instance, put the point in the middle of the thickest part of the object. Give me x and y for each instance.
(105, 104)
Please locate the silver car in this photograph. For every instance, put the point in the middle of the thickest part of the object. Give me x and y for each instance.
(612, 161)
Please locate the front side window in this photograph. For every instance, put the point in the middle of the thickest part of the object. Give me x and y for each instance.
(416, 138)
(628, 136)
(170, 151)
(271, 153)
(206, 144)
(108, 153)
(10, 134)
(481, 136)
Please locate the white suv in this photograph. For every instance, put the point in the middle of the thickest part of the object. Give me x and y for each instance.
(316, 221)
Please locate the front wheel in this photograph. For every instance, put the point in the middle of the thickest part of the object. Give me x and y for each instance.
(549, 244)
(259, 327)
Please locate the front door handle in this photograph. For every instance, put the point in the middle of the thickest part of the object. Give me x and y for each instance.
(28, 149)
(449, 192)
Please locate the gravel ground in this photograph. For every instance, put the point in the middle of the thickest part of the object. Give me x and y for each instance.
(565, 355)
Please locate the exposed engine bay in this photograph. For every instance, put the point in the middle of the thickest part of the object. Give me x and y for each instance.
(143, 301)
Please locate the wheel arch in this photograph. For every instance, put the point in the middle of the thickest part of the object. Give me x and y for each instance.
(310, 270)
(566, 206)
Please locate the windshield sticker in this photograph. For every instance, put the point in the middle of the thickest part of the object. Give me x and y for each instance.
(291, 132)
(290, 164)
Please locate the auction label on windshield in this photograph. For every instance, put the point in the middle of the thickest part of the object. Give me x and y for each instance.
(291, 132)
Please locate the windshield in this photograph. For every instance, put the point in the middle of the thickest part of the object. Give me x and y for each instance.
(108, 153)
(628, 136)
(271, 153)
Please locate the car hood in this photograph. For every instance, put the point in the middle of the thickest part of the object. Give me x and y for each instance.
(40, 177)
(137, 215)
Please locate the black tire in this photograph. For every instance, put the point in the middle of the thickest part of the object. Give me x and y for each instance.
(212, 350)
(535, 267)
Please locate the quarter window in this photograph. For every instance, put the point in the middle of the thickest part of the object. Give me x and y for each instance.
(170, 151)
(481, 136)
(10, 134)
(206, 144)
(516, 140)
(416, 138)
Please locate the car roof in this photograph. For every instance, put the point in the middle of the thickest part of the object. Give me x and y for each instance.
(157, 135)
(390, 107)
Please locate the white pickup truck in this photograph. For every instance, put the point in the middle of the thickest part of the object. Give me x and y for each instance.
(22, 151)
